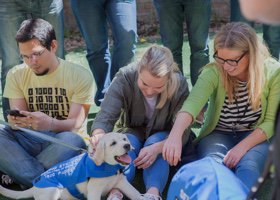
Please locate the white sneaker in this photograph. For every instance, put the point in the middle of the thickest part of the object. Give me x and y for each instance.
(6, 179)
(148, 196)
(115, 196)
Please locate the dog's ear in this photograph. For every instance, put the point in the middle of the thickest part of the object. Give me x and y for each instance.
(99, 154)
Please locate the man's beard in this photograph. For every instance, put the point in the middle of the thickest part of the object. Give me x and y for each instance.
(43, 73)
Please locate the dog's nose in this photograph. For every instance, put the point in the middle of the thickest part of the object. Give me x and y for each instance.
(126, 147)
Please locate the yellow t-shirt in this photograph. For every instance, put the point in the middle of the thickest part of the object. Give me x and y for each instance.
(52, 93)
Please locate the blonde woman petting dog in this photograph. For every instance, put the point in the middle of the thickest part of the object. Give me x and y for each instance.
(243, 88)
(145, 97)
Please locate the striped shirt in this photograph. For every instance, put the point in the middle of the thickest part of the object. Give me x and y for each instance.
(238, 115)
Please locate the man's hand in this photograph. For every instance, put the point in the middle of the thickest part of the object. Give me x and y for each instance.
(38, 120)
(172, 150)
(18, 121)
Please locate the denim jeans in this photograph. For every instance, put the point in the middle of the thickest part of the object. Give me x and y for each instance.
(249, 168)
(92, 18)
(24, 157)
(271, 34)
(157, 174)
(12, 13)
(171, 15)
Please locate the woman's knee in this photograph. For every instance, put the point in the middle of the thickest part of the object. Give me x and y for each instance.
(156, 137)
(215, 145)
(216, 152)
(135, 142)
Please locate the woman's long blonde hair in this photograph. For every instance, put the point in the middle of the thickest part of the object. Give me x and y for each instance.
(158, 61)
(240, 36)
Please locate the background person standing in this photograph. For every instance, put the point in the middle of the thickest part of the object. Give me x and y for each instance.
(196, 14)
(93, 18)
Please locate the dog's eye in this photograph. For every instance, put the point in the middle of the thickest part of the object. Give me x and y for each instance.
(113, 143)
(124, 139)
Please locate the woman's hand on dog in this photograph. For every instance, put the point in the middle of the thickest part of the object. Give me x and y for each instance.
(147, 156)
(96, 135)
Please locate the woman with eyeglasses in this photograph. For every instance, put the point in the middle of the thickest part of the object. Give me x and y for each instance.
(243, 89)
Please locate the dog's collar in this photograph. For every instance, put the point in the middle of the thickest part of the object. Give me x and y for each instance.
(120, 171)
(124, 169)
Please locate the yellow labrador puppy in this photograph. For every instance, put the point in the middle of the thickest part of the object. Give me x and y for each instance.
(89, 175)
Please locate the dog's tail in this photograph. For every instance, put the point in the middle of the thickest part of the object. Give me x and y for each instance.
(16, 194)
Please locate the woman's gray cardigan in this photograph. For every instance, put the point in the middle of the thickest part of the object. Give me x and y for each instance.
(123, 108)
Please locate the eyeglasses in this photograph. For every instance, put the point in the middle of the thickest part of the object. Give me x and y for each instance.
(34, 55)
(228, 61)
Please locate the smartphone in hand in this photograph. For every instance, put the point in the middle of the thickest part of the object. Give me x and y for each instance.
(15, 113)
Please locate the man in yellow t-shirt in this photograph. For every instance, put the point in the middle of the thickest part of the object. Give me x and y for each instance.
(53, 95)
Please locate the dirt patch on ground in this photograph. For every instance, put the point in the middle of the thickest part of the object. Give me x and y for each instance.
(73, 40)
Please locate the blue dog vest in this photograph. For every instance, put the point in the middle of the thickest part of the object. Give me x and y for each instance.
(73, 171)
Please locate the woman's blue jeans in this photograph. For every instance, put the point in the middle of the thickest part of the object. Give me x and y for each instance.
(12, 14)
(249, 168)
(196, 13)
(92, 18)
(157, 174)
(24, 157)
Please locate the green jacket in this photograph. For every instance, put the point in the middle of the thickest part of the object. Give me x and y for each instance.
(123, 106)
(209, 86)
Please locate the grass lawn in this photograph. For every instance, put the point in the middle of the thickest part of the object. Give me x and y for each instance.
(78, 56)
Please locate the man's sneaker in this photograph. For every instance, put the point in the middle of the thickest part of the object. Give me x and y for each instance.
(6, 180)
(149, 196)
